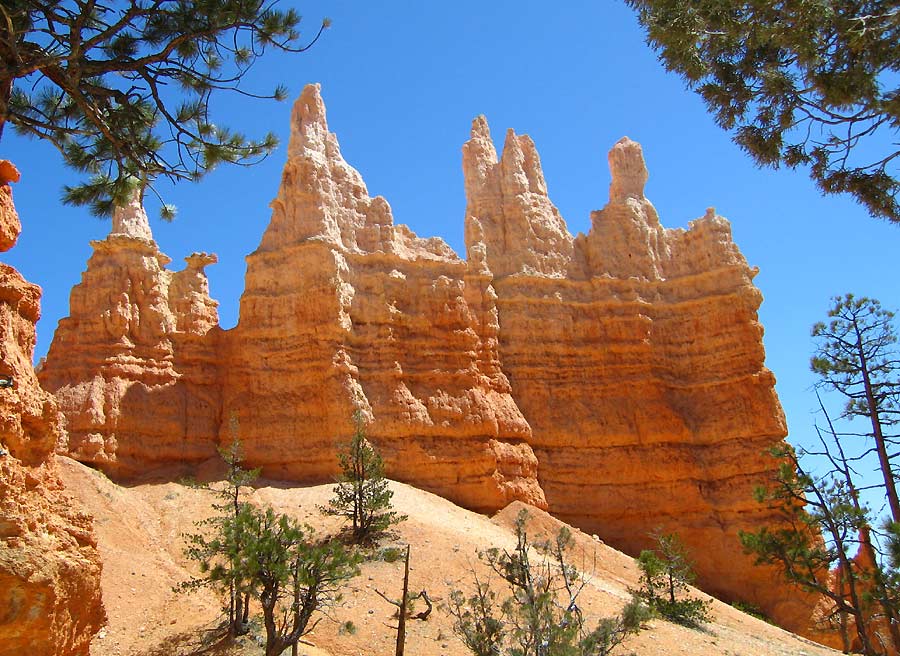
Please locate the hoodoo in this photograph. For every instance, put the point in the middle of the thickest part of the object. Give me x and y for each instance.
(345, 310)
(636, 356)
(135, 365)
(616, 378)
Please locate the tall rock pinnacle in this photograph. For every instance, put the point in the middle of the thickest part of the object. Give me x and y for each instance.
(321, 196)
(340, 307)
(509, 209)
(629, 173)
(131, 219)
(135, 345)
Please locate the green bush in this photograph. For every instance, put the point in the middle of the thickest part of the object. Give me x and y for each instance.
(666, 574)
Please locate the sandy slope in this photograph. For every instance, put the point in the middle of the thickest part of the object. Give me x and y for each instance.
(140, 529)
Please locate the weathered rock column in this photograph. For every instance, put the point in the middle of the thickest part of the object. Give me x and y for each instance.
(49, 566)
(135, 364)
(343, 309)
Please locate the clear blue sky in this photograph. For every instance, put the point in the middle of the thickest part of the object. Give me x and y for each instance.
(402, 81)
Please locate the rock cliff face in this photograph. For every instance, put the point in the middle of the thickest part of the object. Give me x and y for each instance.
(49, 565)
(344, 310)
(135, 365)
(636, 356)
(617, 377)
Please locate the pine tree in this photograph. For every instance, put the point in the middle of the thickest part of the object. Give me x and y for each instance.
(857, 356)
(666, 573)
(220, 547)
(811, 83)
(294, 575)
(124, 90)
(362, 494)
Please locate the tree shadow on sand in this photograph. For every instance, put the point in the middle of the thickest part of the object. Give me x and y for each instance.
(209, 640)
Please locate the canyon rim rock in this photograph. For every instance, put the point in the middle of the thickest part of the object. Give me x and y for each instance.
(616, 378)
(49, 565)
(135, 365)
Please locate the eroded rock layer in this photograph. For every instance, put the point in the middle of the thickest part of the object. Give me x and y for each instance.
(49, 566)
(135, 365)
(617, 377)
(344, 310)
(636, 356)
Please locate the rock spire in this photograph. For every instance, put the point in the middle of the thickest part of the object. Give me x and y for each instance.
(617, 378)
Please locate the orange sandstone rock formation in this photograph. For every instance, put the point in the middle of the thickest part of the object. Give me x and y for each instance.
(617, 377)
(135, 365)
(343, 310)
(636, 356)
(49, 566)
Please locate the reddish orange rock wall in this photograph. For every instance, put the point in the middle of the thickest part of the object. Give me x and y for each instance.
(636, 356)
(49, 566)
(617, 377)
(343, 310)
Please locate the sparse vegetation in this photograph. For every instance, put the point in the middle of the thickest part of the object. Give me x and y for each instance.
(247, 552)
(666, 574)
(541, 616)
(389, 554)
(292, 574)
(220, 555)
(362, 494)
(830, 542)
(752, 610)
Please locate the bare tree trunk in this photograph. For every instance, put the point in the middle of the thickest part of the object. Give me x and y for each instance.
(883, 458)
(5, 93)
(401, 625)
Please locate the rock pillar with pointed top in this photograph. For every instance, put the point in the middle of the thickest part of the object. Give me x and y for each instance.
(116, 359)
(509, 215)
(339, 308)
(631, 345)
(49, 564)
(131, 219)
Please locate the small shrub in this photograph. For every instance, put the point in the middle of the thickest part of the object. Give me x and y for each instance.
(666, 574)
(390, 554)
(362, 494)
(541, 614)
(347, 628)
(751, 610)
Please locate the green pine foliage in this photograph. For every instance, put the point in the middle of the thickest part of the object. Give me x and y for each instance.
(828, 541)
(219, 547)
(857, 356)
(541, 616)
(666, 574)
(124, 90)
(294, 575)
(809, 83)
(362, 495)
(244, 552)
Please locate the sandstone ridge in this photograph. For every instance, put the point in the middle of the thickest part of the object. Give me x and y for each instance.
(616, 378)
(49, 565)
